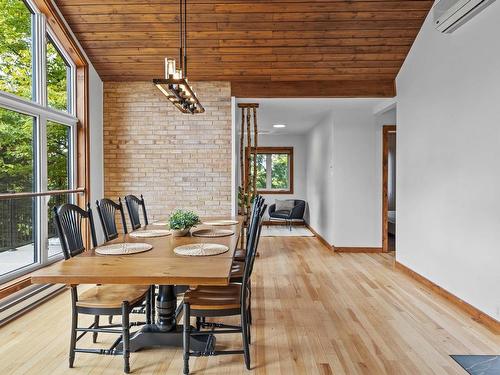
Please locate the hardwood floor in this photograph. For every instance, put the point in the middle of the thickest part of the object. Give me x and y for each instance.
(315, 312)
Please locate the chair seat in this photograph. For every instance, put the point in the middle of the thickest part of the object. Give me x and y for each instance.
(282, 214)
(214, 297)
(237, 269)
(111, 296)
(240, 254)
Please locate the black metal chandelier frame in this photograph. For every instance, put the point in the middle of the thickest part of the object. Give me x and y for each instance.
(175, 85)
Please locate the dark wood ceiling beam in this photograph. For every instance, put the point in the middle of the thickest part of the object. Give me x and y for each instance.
(248, 26)
(218, 65)
(239, 43)
(251, 50)
(267, 8)
(237, 60)
(334, 89)
(172, 18)
(243, 35)
(197, 2)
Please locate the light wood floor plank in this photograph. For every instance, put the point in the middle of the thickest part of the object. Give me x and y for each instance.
(315, 312)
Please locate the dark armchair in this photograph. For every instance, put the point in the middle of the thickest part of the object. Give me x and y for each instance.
(295, 214)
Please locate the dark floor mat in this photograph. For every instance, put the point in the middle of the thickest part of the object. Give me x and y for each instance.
(479, 364)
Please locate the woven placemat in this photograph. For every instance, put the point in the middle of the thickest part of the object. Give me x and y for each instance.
(220, 222)
(123, 248)
(150, 233)
(211, 233)
(201, 249)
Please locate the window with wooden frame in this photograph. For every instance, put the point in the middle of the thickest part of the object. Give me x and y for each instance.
(43, 132)
(274, 169)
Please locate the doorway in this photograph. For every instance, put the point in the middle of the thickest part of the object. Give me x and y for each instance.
(389, 188)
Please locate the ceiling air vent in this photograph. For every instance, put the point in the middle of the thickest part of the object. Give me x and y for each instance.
(449, 15)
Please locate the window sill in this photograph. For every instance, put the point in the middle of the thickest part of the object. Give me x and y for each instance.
(24, 281)
(14, 286)
(269, 192)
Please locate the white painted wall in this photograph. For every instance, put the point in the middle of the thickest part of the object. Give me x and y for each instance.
(339, 157)
(96, 145)
(299, 144)
(319, 187)
(357, 205)
(448, 167)
(343, 182)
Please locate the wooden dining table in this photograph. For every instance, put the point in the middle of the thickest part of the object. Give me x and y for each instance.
(159, 266)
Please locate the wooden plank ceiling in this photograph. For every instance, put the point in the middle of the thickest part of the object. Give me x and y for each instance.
(265, 48)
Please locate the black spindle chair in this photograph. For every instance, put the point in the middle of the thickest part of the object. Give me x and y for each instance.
(231, 300)
(100, 299)
(240, 254)
(106, 209)
(133, 204)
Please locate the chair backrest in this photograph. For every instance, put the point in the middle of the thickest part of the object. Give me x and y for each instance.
(263, 208)
(69, 219)
(256, 202)
(106, 209)
(133, 204)
(254, 230)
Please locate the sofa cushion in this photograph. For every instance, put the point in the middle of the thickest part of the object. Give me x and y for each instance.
(285, 205)
(280, 214)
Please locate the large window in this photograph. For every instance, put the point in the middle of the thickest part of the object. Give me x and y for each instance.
(37, 138)
(274, 169)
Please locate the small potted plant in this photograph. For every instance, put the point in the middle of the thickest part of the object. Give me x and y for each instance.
(181, 221)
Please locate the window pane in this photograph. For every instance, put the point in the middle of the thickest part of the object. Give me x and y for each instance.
(17, 243)
(261, 170)
(58, 78)
(16, 152)
(15, 48)
(58, 156)
(279, 173)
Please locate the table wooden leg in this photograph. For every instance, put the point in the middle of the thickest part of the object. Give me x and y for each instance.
(166, 303)
(166, 331)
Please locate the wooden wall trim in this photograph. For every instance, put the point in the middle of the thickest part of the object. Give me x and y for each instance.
(477, 315)
(386, 129)
(59, 28)
(282, 223)
(311, 89)
(271, 150)
(71, 46)
(319, 237)
(357, 249)
(14, 286)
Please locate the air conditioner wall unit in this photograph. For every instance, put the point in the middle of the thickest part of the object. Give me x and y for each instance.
(449, 15)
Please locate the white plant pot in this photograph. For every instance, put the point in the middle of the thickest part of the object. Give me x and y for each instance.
(180, 232)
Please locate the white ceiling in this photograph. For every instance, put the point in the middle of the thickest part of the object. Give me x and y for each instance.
(299, 115)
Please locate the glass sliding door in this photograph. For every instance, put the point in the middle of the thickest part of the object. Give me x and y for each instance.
(17, 175)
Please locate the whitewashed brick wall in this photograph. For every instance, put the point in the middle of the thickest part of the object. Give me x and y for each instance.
(175, 160)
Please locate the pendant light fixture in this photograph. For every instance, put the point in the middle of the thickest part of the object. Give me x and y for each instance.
(175, 85)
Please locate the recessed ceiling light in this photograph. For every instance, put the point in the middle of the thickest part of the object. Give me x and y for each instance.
(279, 126)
